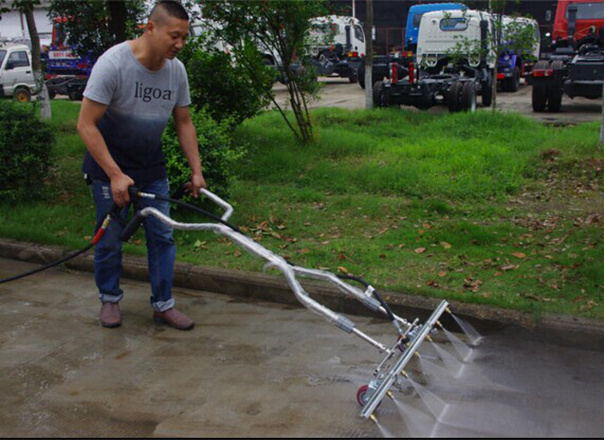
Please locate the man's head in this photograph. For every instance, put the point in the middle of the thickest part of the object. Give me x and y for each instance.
(168, 27)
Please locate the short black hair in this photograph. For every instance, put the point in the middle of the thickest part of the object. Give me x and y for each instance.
(172, 8)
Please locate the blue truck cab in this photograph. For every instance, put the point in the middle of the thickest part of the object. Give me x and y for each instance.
(413, 20)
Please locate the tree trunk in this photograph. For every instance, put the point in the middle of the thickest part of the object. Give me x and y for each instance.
(41, 90)
(368, 24)
(117, 20)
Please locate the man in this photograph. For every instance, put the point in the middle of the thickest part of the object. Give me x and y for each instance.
(132, 92)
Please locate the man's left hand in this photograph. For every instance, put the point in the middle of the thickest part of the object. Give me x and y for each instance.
(197, 182)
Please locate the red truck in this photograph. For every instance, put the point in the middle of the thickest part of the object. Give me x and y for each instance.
(576, 65)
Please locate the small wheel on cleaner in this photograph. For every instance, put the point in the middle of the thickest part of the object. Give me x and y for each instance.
(554, 91)
(363, 396)
(454, 94)
(22, 95)
(468, 97)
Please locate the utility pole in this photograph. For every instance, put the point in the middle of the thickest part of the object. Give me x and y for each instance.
(368, 25)
(353, 8)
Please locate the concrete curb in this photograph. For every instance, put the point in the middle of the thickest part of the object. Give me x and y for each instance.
(274, 288)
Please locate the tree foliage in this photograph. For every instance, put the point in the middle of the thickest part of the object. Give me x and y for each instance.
(94, 26)
(279, 30)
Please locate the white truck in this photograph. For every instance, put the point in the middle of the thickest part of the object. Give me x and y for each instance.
(438, 76)
(16, 72)
(338, 46)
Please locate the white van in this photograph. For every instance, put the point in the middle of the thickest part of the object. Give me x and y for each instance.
(16, 73)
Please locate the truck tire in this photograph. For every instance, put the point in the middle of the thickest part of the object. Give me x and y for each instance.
(353, 76)
(454, 97)
(539, 89)
(487, 91)
(361, 74)
(554, 91)
(22, 95)
(514, 81)
(378, 95)
(468, 97)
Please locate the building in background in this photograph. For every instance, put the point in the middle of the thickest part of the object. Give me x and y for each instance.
(13, 26)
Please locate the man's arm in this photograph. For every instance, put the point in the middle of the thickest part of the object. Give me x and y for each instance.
(90, 113)
(189, 143)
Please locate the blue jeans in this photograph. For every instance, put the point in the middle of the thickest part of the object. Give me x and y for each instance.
(161, 250)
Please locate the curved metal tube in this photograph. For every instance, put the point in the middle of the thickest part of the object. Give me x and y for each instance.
(256, 249)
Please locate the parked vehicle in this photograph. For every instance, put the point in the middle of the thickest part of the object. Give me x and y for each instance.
(66, 72)
(381, 64)
(576, 66)
(413, 20)
(514, 65)
(338, 46)
(436, 77)
(16, 73)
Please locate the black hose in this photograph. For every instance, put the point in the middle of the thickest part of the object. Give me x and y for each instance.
(376, 294)
(48, 266)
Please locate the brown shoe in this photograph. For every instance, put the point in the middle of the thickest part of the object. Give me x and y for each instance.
(174, 318)
(110, 315)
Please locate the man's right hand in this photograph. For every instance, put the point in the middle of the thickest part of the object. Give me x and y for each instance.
(119, 185)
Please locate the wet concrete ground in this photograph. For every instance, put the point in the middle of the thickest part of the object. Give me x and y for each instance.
(261, 370)
(338, 92)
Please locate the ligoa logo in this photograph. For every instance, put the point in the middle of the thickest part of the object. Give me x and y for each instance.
(148, 93)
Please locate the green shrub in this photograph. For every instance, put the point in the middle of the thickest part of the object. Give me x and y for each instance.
(25, 148)
(217, 82)
(218, 154)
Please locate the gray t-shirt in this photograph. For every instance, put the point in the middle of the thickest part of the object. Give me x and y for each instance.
(139, 104)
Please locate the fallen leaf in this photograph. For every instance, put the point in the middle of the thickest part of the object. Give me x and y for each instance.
(432, 284)
(276, 235)
(237, 253)
(343, 270)
(519, 255)
(325, 243)
(382, 256)
(303, 251)
(508, 267)
(486, 294)
(420, 250)
(442, 274)
(497, 273)
(427, 226)
(401, 246)
(445, 245)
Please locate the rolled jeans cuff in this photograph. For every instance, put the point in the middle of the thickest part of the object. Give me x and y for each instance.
(162, 306)
(110, 298)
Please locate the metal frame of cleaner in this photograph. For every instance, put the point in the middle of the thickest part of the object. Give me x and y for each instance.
(410, 335)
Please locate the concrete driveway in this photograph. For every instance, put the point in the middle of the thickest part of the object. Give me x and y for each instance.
(254, 369)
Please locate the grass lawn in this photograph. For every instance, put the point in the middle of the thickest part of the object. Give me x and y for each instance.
(491, 209)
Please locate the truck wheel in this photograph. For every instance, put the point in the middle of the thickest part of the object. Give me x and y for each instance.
(353, 76)
(539, 97)
(22, 95)
(51, 94)
(554, 91)
(468, 97)
(539, 89)
(378, 95)
(487, 91)
(361, 75)
(454, 97)
(514, 84)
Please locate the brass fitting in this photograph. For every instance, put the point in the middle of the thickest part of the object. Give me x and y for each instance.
(373, 418)
(403, 373)
(390, 395)
(429, 338)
